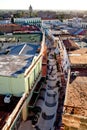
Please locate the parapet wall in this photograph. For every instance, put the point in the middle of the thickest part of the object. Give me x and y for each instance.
(65, 102)
(74, 122)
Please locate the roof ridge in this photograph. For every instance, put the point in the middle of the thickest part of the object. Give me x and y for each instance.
(22, 49)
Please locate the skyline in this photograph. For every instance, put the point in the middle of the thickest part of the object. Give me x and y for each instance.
(44, 4)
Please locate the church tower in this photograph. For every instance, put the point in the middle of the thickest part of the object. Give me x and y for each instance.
(30, 11)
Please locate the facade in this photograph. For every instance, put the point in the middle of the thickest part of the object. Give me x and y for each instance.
(28, 21)
(61, 48)
(77, 22)
(19, 81)
(18, 84)
(63, 69)
(20, 75)
(50, 23)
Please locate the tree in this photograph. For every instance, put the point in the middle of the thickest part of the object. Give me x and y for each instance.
(12, 19)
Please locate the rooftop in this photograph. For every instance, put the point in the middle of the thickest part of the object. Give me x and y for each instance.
(77, 93)
(10, 64)
(81, 51)
(22, 53)
(50, 19)
(25, 49)
(78, 56)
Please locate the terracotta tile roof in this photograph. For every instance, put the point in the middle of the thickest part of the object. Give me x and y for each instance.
(70, 44)
(15, 25)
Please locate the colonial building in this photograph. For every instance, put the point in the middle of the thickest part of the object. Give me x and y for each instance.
(28, 21)
(20, 72)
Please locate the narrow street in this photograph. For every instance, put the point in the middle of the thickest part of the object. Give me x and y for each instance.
(48, 114)
(49, 98)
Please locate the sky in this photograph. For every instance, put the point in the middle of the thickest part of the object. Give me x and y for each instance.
(44, 4)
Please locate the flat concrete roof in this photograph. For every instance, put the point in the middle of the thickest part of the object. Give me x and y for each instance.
(81, 51)
(11, 65)
(77, 92)
(78, 56)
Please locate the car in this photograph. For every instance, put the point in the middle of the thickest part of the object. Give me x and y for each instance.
(7, 98)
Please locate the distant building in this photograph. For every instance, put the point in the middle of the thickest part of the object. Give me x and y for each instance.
(9, 28)
(77, 22)
(5, 21)
(50, 22)
(28, 21)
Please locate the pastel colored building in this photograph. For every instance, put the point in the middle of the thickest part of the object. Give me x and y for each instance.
(20, 71)
(28, 21)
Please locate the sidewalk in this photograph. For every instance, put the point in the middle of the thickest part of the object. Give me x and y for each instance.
(26, 126)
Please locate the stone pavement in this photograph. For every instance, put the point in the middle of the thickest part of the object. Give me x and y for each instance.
(26, 126)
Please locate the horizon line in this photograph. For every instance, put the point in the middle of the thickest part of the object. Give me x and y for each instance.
(45, 9)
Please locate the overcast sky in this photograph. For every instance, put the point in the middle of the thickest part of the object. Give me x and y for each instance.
(44, 4)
